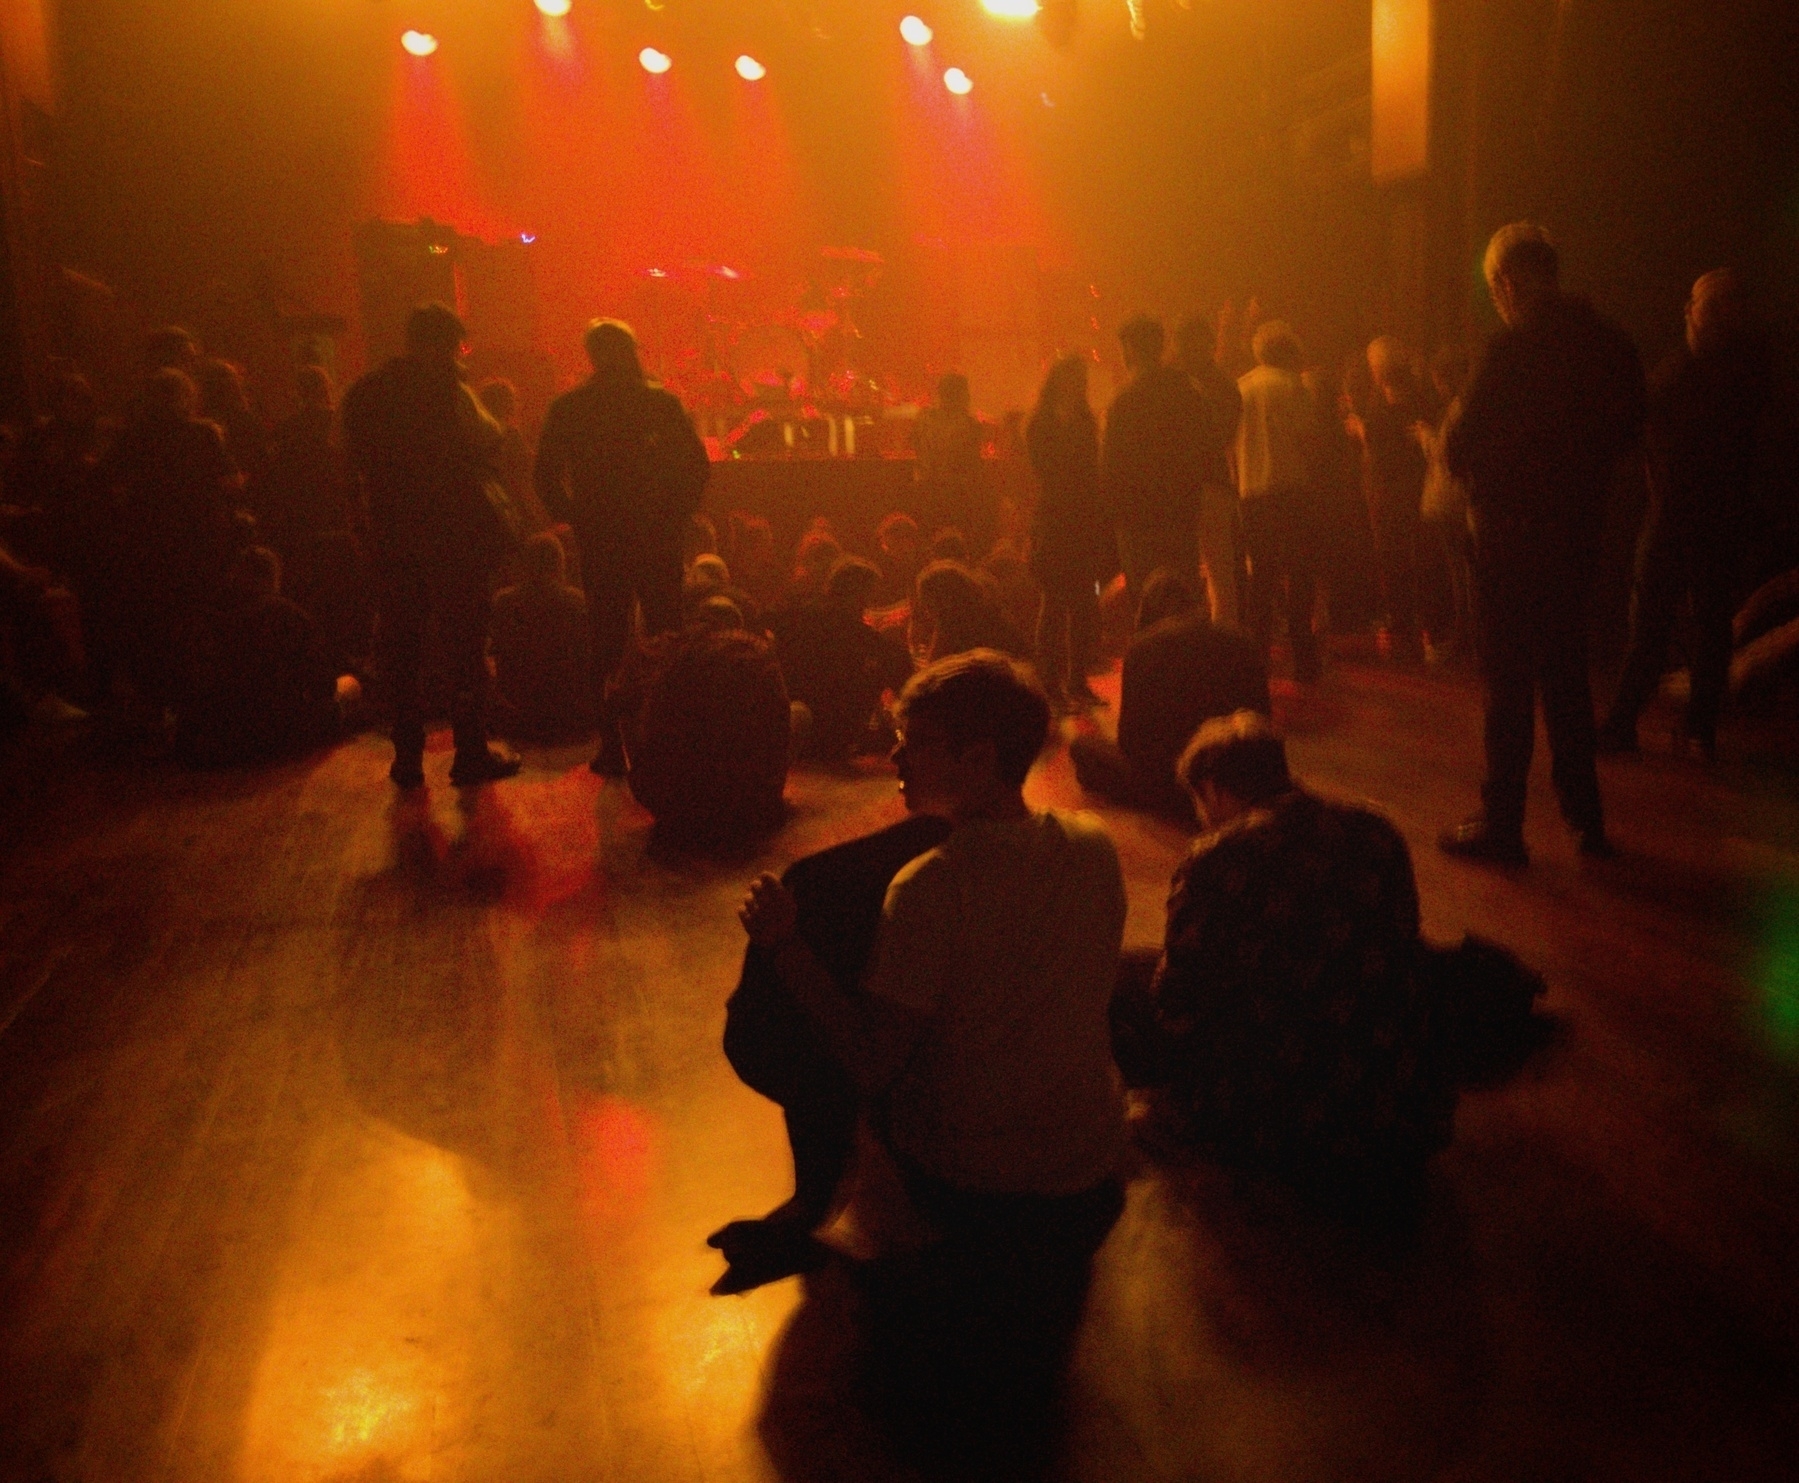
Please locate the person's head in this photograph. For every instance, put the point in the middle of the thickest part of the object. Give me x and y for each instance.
(1715, 310)
(1523, 270)
(718, 614)
(500, 397)
(171, 348)
(947, 544)
(544, 560)
(170, 393)
(1390, 367)
(970, 727)
(851, 584)
(611, 347)
(1164, 596)
(435, 334)
(1276, 345)
(1195, 343)
(752, 542)
(953, 394)
(1449, 371)
(699, 537)
(898, 536)
(812, 562)
(255, 573)
(1234, 763)
(1064, 391)
(313, 385)
(221, 388)
(709, 572)
(1141, 339)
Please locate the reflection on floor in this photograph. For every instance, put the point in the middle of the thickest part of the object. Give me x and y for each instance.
(348, 1137)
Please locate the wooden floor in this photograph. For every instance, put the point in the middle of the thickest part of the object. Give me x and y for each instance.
(347, 1137)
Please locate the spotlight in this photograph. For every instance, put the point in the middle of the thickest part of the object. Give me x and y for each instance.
(750, 70)
(915, 31)
(1010, 10)
(419, 43)
(958, 82)
(555, 9)
(654, 61)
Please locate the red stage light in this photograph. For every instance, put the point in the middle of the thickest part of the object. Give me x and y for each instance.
(554, 8)
(654, 61)
(915, 31)
(750, 70)
(419, 43)
(958, 82)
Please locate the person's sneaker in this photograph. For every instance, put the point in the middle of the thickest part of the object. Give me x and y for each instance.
(609, 761)
(489, 765)
(1615, 741)
(1596, 845)
(1475, 839)
(408, 772)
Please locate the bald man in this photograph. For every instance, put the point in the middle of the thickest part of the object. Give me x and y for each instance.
(1705, 409)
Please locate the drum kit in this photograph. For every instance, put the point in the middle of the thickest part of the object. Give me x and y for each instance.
(750, 367)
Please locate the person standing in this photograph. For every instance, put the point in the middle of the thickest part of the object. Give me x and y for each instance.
(1195, 354)
(1072, 549)
(1272, 479)
(1557, 401)
(1395, 466)
(620, 462)
(947, 440)
(1152, 470)
(1704, 410)
(421, 445)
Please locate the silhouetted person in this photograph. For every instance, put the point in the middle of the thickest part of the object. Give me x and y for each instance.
(1273, 480)
(266, 688)
(1180, 670)
(422, 444)
(1072, 545)
(1705, 409)
(513, 462)
(1395, 468)
(983, 1037)
(224, 401)
(956, 610)
(708, 729)
(834, 663)
(1153, 467)
(171, 480)
(542, 669)
(1286, 1022)
(619, 460)
(1195, 353)
(947, 440)
(1445, 505)
(899, 557)
(1556, 402)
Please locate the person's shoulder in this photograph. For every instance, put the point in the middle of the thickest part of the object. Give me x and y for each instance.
(1084, 832)
(900, 843)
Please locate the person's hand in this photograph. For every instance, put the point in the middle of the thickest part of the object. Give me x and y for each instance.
(769, 913)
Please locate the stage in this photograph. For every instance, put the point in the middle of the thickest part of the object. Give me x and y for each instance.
(344, 1136)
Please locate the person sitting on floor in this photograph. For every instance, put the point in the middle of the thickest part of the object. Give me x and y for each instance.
(982, 1035)
(265, 688)
(835, 664)
(542, 671)
(709, 729)
(1179, 671)
(955, 610)
(1287, 1024)
(897, 537)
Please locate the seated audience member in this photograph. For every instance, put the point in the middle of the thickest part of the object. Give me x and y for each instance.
(956, 611)
(981, 1032)
(752, 559)
(264, 688)
(1179, 671)
(1014, 587)
(699, 539)
(542, 672)
(709, 729)
(512, 459)
(834, 663)
(1290, 1031)
(947, 544)
(812, 562)
(897, 537)
(224, 401)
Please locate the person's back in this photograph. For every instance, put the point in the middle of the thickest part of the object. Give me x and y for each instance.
(1178, 674)
(836, 664)
(306, 491)
(1274, 432)
(600, 463)
(401, 431)
(1155, 450)
(710, 743)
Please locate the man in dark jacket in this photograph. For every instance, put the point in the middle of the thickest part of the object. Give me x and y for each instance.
(420, 443)
(1557, 401)
(1704, 412)
(1153, 463)
(620, 462)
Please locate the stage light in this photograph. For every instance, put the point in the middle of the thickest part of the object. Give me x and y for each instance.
(1010, 10)
(958, 82)
(750, 70)
(654, 61)
(555, 9)
(419, 43)
(915, 31)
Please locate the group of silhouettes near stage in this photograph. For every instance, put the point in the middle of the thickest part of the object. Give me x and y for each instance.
(953, 985)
